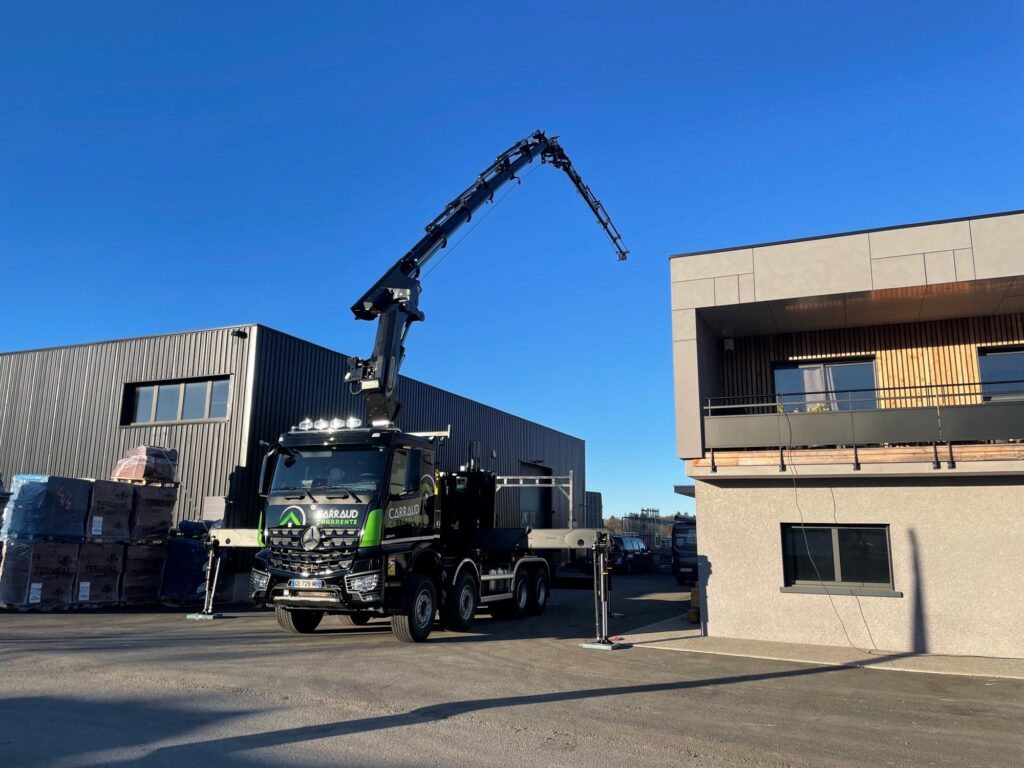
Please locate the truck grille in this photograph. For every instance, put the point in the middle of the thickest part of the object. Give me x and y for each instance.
(335, 553)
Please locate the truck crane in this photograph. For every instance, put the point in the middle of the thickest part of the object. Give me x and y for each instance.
(358, 522)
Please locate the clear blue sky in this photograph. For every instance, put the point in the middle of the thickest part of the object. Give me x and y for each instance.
(171, 166)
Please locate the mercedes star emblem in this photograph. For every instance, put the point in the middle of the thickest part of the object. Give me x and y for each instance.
(311, 538)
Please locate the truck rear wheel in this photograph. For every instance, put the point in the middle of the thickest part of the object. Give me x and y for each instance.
(415, 623)
(459, 607)
(516, 607)
(354, 619)
(298, 622)
(539, 592)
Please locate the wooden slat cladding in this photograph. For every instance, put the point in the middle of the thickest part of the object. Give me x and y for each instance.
(925, 354)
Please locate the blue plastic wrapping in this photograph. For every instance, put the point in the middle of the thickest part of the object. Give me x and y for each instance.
(46, 506)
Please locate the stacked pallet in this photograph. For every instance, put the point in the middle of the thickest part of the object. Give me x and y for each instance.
(149, 471)
(74, 542)
(44, 525)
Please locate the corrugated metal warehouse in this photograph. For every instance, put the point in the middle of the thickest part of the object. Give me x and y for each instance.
(215, 394)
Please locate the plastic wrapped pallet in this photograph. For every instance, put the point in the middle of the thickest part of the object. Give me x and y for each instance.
(37, 574)
(152, 512)
(47, 506)
(110, 511)
(99, 573)
(147, 462)
(143, 573)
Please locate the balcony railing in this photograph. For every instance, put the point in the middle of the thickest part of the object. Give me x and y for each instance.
(950, 413)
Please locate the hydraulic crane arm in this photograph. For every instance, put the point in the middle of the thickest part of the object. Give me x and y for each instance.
(394, 299)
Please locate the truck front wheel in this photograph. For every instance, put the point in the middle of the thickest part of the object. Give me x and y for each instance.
(459, 606)
(414, 624)
(298, 622)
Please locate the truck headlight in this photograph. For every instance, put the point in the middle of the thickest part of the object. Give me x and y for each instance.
(367, 582)
(258, 581)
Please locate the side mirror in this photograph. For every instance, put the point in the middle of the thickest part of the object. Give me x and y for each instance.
(269, 461)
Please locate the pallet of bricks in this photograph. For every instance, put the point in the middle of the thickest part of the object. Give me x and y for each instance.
(70, 542)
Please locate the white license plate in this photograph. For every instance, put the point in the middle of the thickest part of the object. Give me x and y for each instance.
(688, 570)
(305, 583)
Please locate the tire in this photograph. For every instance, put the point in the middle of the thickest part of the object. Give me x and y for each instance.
(516, 607)
(354, 619)
(460, 603)
(298, 622)
(416, 621)
(540, 591)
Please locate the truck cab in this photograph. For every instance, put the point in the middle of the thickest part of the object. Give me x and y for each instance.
(359, 523)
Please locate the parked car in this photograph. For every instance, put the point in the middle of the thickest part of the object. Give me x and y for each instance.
(629, 554)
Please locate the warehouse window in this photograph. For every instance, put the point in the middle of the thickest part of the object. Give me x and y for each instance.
(166, 401)
(854, 559)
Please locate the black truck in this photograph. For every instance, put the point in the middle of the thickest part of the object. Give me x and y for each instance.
(359, 524)
(358, 521)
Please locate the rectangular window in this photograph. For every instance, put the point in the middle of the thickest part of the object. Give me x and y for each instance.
(195, 400)
(167, 397)
(144, 400)
(1002, 373)
(175, 401)
(821, 386)
(853, 556)
(218, 399)
(399, 471)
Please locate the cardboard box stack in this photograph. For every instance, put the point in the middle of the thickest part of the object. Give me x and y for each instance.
(143, 573)
(110, 512)
(149, 471)
(152, 512)
(43, 524)
(98, 579)
(63, 540)
(37, 574)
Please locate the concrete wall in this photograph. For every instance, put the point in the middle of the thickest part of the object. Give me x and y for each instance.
(922, 254)
(957, 557)
(698, 373)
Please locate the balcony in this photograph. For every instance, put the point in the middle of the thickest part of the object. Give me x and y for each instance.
(922, 419)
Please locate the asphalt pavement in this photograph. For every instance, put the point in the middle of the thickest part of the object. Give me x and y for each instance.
(99, 688)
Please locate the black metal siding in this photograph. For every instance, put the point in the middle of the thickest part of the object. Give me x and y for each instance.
(295, 379)
(60, 409)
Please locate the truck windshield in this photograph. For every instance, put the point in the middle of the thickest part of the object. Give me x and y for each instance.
(686, 539)
(329, 467)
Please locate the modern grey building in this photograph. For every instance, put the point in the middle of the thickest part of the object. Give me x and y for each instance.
(851, 409)
(215, 394)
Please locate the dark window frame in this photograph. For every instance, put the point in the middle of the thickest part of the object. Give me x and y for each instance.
(837, 586)
(983, 352)
(131, 389)
(823, 362)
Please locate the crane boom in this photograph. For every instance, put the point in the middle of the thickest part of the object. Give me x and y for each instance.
(394, 299)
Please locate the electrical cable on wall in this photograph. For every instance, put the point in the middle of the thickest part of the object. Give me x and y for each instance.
(807, 548)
